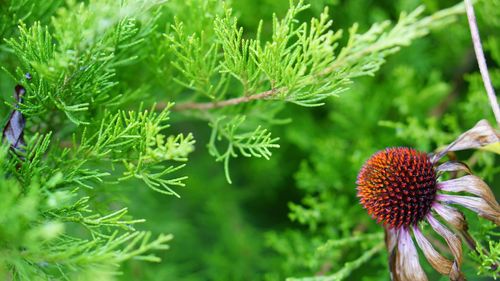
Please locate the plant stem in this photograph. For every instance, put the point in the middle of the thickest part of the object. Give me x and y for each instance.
(483, 68)
(218, 104)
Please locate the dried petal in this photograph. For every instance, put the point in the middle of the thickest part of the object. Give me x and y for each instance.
(475, 204)
(452, 240)
(451, 216)
(438, 262)
(407, 263)
(456, 274)
(471, 184)
(452, 166)
(391, 239)
(456, 219)
(480, 135)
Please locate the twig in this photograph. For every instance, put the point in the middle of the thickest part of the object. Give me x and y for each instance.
(218, 104)
(483, 68)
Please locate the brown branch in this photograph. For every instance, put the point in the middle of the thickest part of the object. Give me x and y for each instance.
(481, 61)
(219, 104)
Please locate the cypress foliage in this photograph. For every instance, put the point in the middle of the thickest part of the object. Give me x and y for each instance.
(285, 100)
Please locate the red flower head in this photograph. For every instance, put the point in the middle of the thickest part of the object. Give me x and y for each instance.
(399, 188)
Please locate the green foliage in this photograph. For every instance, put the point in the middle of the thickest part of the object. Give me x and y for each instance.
(487, 259)
(120, 89)
(14, 11)
(300, 63)
(487, 256)
(249, 144)
(34, 224)
(82, 137)
(74, 76)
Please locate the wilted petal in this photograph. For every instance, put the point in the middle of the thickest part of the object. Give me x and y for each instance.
(481, 134)
(456, 219)
(407, 264)
(470, 184)
(456, 274)
(391, 239)
(452, 166)
(438, 262)
(451, 216)
(452, 240)
(475, 204)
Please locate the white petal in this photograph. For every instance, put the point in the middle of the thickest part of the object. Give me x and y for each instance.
(480, 135)
(452, 166)
(452, 240)
(407, 264)
(470, 184)
(438, 262)
(478, 205)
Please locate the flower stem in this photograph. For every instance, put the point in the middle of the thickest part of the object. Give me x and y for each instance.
(483, 68)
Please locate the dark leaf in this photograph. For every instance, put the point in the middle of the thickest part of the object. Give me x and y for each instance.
(13, 131)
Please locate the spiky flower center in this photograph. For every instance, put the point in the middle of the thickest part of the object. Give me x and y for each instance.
(397, 186)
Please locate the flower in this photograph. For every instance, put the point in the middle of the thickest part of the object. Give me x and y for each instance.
(400, 188)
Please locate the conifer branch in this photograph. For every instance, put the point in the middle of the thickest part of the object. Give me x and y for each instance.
(313, 70)
(483, 68)
(218, 104)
